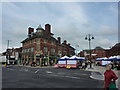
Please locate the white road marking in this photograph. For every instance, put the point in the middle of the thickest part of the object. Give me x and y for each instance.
(96, 78)
(10, 69)
(36, 71)
(80, 74)
(49, 72)
(23, 69)
(72, 77)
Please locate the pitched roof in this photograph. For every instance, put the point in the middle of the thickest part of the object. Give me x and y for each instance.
(117, 45)
(98, 48)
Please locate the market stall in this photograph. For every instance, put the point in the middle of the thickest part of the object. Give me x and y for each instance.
(62, 61)
(113, 60)
(103, 61)
(72, 62)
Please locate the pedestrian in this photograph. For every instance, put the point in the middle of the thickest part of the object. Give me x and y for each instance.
(34, 64)
(23, 63)
(83, 65)
(109, 77)
(86, 64)
(31, 63)
(78, 65)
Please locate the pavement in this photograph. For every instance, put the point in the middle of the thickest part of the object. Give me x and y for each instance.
(26, 77)
(97, 73)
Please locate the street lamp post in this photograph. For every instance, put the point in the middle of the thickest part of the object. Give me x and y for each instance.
(89, 37)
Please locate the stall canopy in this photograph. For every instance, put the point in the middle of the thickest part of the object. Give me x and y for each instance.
(63, 58)
(76, 58)
(112, 58)
(71, 58)
(115, 58)
(102, 59)
(99, 59)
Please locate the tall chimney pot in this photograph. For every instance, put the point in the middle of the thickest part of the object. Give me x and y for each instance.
(65, 42)
(47, 29)
(68, 44)
(30, 30)
(59, 40)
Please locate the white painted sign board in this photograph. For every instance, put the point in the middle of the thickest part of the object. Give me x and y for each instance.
(71, 61)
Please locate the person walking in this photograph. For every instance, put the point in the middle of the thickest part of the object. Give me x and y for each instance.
(86, 64)
(109, 77)
(83, 65)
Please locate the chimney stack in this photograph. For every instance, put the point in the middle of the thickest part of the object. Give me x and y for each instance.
(47, 29)
(30, 30)
(68, 44)
(59, 40)
(65, 42)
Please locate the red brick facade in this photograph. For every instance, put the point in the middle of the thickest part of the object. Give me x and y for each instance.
(100, 52)
(43, 43)
(114, 51)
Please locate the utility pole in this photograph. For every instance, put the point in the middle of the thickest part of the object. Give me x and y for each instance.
(7, 51)
(76, 48)
(8, 42)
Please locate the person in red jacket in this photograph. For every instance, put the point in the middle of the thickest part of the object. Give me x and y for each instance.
(109, 75)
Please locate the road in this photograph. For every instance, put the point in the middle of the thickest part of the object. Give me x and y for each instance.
(26, 77)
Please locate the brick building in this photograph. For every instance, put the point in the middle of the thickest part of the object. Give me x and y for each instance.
(114, 51)
(13, 54)
(42, 44)
(97, 52)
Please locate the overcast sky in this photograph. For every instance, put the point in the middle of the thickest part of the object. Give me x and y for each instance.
(72, 21)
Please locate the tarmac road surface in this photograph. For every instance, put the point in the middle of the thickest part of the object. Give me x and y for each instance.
(26, 77)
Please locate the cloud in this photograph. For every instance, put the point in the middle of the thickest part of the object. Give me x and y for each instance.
(106, 43)
(104, 30)
(60, 1)
(69, 20)
(114, 8)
